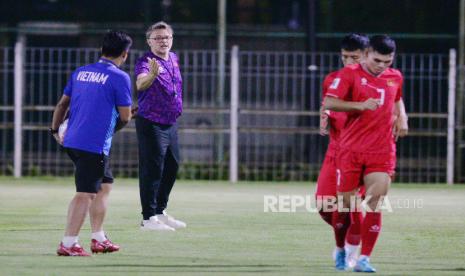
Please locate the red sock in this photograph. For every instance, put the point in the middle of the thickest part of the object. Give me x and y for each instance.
(354, 232)
(371, 228)
(327, 217)
(341, 222)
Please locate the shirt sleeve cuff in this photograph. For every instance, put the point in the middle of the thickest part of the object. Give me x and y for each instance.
(332, 95)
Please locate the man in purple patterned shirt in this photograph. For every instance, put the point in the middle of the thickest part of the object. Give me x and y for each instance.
(159, 86)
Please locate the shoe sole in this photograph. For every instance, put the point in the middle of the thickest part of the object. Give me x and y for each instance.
(67, 255)
(159, 230)
(362, 271)
(103, 252)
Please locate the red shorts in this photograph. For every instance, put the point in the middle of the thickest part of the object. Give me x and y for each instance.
(326, 183)
(353, 166)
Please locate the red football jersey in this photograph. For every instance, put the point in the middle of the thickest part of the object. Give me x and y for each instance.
(336, 119)
(368, 131)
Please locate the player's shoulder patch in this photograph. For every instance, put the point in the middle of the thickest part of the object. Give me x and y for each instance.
(335, 83)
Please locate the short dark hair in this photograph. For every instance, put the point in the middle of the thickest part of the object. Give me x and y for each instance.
(354, 41)
(115, 43)
(383, 44)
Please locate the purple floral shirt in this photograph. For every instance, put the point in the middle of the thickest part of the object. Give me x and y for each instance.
(162, 101)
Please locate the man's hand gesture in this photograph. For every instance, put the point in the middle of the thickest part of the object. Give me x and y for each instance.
(154, 67)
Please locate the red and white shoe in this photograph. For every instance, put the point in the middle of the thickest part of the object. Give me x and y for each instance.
(75, 250)
(103, 247)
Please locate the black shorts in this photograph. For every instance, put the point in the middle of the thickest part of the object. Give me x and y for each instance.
(91, 170)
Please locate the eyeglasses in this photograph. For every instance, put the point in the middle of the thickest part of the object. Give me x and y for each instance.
(161, 38)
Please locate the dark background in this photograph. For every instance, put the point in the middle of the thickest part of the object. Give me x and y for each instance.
(418, 25)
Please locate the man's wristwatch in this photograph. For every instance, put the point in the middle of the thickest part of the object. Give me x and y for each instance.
(53, 131)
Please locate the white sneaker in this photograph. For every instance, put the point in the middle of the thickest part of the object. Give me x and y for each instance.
(154, 224)
(351, 254)
(170, 221)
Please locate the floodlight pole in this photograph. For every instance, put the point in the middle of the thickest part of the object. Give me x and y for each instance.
(221, 73)
(460, 92)
(311, 30)
(451, 117)
(18, 103)
(234, 117)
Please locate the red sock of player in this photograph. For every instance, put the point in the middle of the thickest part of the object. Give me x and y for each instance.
(341, 222)
(355, 228)
(371, 228)
(327, 217)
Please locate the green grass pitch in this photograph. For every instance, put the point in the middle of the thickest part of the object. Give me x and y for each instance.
(228, 232)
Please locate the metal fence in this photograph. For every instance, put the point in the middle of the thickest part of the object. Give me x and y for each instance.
(278, 102)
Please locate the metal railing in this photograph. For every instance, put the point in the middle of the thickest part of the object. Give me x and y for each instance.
(276, 114)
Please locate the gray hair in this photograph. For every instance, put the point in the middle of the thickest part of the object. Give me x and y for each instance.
(157, 26)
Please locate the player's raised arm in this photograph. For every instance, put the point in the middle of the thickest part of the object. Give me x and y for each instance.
(145, 80)
(335, 104)
(341, 89)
